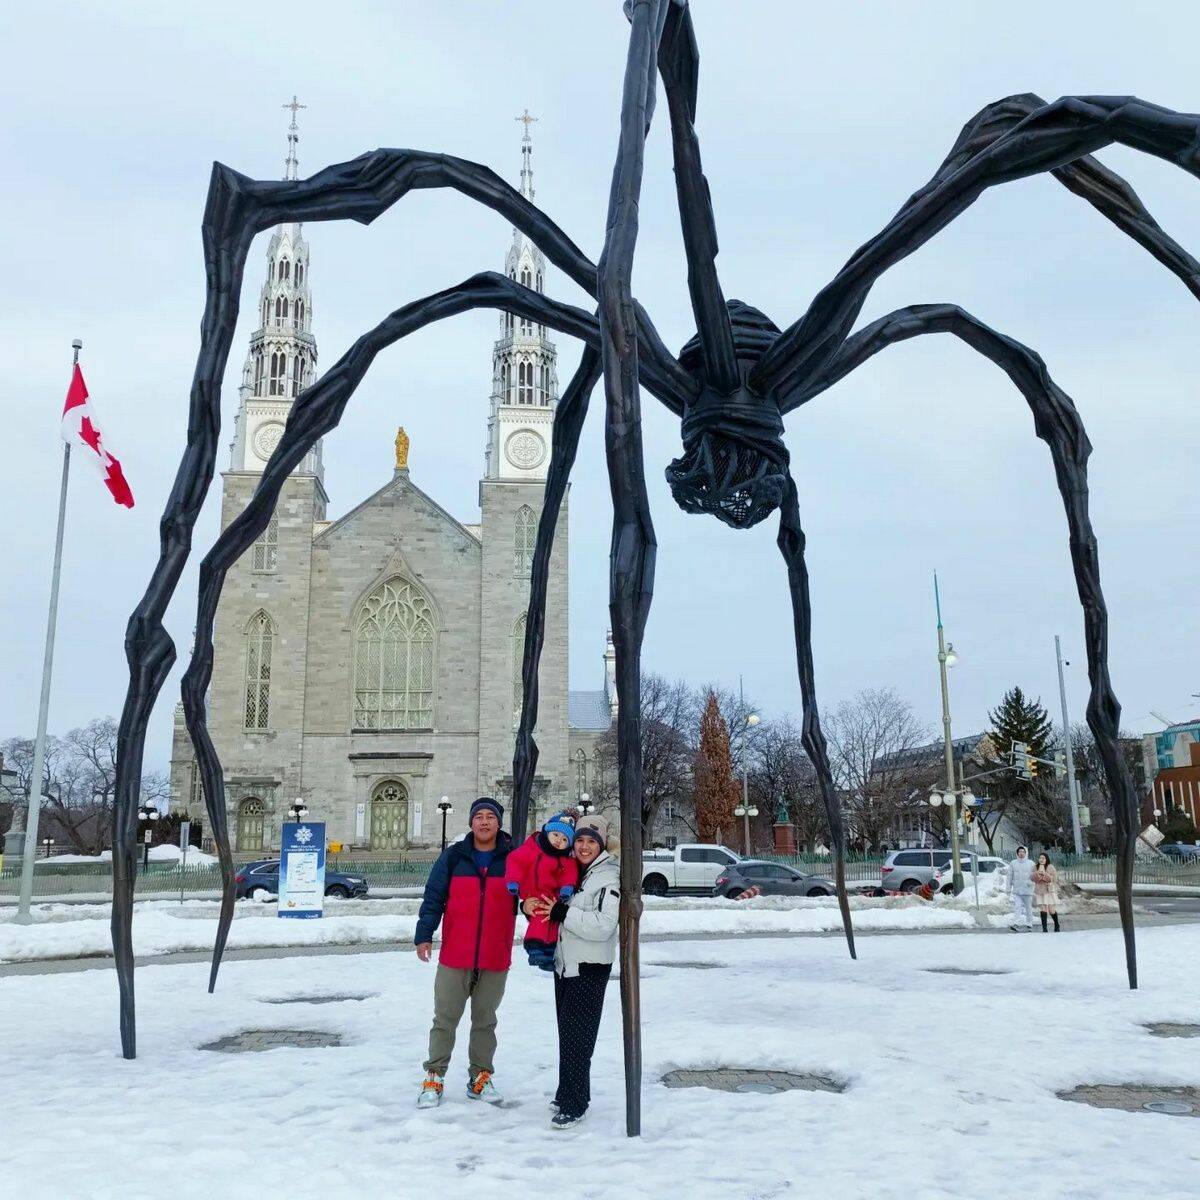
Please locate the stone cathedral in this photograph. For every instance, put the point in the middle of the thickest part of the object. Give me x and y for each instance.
(370, 665)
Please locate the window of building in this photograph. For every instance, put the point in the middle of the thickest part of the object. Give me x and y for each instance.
(394, 644)
(524, 382)
(518, 654)
(258, 373)
(285, 269)
(524, 537)
(581, 772)
(299, 274)
(259, 637)
(278, 372)
(296, 375)
(264, 555)
(389, 817)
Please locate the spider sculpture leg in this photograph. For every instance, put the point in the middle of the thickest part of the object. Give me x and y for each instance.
(237, 209)
(791, 546)
(568, 424)
(631, 580)
(1049, 138)
(1058, 424)
(316, 411)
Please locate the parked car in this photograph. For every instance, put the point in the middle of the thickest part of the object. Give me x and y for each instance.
(689, 868)
(1181, 851)
(984, 864)
(258, 880)
(772, 879)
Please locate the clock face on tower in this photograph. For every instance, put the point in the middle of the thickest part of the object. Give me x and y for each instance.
(525, 449)
(266, 438)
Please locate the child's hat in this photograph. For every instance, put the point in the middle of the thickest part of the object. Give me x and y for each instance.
(561, 823)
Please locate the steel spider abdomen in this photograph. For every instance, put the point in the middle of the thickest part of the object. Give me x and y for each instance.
(732, 386)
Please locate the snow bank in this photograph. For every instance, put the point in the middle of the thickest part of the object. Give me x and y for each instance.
(171, 854)
(164, 927)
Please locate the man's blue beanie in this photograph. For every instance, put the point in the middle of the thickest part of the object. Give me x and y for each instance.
(488, 803)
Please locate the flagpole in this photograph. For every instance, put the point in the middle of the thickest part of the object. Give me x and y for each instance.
(39, 744)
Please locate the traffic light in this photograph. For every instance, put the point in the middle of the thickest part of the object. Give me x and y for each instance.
(1019, 757)
(1031, 767)
(1060, 765)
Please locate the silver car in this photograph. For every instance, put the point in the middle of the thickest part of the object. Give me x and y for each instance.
(907, 870)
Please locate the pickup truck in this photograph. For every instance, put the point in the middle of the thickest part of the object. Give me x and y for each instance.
(691, 868)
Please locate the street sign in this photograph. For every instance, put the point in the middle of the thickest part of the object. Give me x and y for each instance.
(1085, 816)
(185, 836)
(302, 869)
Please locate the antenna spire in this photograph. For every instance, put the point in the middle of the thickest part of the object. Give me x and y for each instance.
(291, 165)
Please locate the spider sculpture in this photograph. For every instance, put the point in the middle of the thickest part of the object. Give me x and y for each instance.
(731, 386)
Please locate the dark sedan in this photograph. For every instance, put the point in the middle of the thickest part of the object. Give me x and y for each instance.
(771, 879)
(258, 880)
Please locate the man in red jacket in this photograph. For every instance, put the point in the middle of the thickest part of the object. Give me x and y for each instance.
(465, 893)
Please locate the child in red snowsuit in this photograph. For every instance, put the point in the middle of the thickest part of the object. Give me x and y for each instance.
(543, 866)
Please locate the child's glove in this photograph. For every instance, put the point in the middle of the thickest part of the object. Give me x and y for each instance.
(566, 892)
(513, 887)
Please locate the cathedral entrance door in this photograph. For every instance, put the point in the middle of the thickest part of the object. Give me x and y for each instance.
(251, 813)
(389, 817)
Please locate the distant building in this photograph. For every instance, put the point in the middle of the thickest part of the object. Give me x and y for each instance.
(371, 664)
(1172, 761)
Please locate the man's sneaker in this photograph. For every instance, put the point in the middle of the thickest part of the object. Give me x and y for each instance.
(431, 1091)
(554, 1106)
(562, 1120)
(481, 1087)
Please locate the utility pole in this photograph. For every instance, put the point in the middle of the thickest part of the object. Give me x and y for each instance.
(947, 659)
(1072, 788)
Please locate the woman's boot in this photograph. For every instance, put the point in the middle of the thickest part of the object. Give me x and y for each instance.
(1044, 930)
(1056, 925)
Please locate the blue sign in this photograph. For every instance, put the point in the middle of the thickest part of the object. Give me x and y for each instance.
(302, 869)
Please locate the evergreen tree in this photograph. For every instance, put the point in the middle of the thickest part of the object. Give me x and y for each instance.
(716, 789)
(1019, 719)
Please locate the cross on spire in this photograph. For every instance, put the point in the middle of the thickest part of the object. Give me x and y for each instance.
(526, 120)
(292, 163)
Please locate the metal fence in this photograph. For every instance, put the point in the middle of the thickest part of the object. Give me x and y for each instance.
(52, 879)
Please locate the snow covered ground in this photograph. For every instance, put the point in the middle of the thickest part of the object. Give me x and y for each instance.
(951, 1079)
(164, 926)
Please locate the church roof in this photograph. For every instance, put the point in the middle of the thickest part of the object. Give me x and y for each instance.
(588, 710)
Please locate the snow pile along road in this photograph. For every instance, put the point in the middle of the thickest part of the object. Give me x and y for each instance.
(162, 927)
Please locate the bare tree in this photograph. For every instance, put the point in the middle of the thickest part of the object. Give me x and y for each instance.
(872, 738)
(782, 778)
(669, 712)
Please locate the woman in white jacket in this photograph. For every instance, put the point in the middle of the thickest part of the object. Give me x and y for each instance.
(1020, 885)
(583, 958)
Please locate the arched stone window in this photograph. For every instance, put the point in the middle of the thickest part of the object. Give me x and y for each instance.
(389, 817)
(505, 382)
(526, 281)
(299, 274)
(518, 653)
(278, 373)
(394, 645)
(524, 536)
(264, 555)
(296, 375)
(258, 373)
(285, 269)
(251, 816)
(524, 382)
(581, 780)
(260, 634)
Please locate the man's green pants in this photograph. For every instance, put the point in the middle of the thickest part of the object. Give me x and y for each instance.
(452, 989)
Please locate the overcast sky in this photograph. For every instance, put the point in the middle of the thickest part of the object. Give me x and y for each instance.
(816, 122)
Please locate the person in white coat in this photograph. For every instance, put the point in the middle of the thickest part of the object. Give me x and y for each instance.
(586, 947)
(1020, 886)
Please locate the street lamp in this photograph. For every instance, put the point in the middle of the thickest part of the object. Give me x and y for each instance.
(297, 810)
(147, 814)
(585, 804)
(946, 659)
(47, 842)
(746, 812)
(445, 808)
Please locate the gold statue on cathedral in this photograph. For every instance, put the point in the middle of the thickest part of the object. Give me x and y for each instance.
(401, 449)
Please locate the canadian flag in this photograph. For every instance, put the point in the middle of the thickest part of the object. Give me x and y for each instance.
(79, 429)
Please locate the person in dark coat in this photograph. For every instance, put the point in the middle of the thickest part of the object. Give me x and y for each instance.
(465, 894)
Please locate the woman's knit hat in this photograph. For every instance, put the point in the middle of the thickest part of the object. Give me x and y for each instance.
(561, 823)
(593, 826)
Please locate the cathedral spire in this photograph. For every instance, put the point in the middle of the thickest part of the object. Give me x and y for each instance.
(524, 370)
(282, 358)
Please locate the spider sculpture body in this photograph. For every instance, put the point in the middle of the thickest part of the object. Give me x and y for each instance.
(731, 386)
